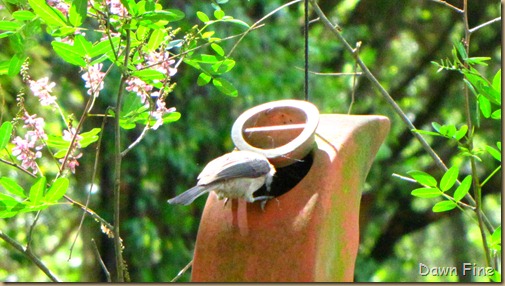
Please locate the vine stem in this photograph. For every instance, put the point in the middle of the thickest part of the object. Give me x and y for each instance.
(336, 30)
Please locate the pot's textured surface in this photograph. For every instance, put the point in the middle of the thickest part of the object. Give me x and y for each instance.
(308, 234)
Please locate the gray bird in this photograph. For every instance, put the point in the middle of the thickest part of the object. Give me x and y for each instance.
(234, 175)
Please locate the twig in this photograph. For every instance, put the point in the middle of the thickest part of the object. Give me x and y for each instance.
(183, 270)
(484, 24)
(100, 260)
(29, 254)
(449, 5)
(93, 175)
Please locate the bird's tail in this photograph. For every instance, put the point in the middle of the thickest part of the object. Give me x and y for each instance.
(189, 196)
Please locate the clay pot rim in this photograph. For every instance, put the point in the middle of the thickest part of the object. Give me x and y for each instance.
(289, 153)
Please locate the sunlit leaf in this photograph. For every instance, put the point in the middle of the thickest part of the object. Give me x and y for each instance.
(463, 189)
(203, 79)
(12, 187)
(202, 16)
(23, 15)
(426, 193)
(37, 191)
(449, 178)
(51, 16)
(57, 190)
(68, 53)
(493, 152)
(423, 178)
(5, 134)
(225, 86)
(77, 12)
(443, 206)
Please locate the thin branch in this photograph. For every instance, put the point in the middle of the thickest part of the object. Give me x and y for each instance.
(100, 260)
(183, 270)
(460, 11)
(93, 175)
(29, 254)
(484, 25)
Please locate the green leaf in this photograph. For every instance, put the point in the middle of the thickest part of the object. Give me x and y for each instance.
(493, 152)
(219, 14)
(426, 192)
(82, 46)
(51, 16)
(225, 86)
(478, 60)
(497, 80)
(169, 15)
(495, 239)
(9, 25)
(105, 47)
(207, 59)
(443, 206)
(37, 191)
(223, 67)
(217, 48)
(423, 178)
(12, 187)
(496, 114)
(436, 126)
(171, 117)
(449, 178)
(68, 53)
(203, 79)
(57, 190)
(202, 16)
(149, 74)
(484, 106)
(15, 63)
(78, 12)
(5, 134)
(89, 137)
(463, 189)
(461, 50)
(461, 132)
(23, 15)
(157, 37)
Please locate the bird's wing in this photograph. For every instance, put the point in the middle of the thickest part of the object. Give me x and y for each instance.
(243, 164)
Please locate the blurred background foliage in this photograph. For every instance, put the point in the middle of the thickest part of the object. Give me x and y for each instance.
(399, 40)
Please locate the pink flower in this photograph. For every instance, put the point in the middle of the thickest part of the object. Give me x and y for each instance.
(94, 79)
(160, 61)
(60, 5)
(42, 89)
(26, 153)
(72, 162)
(140, 87)
(27, 149)
(161, 110)
(116, 7)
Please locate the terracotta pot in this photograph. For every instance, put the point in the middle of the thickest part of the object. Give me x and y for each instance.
(310, 233)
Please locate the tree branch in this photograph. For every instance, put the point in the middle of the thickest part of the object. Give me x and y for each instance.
(29, 254)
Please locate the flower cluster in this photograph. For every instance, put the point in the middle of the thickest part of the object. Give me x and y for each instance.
(161, 110)
(117, 8)
(60, 5)
(72, 162)
(93, 79)
(42, 89)
(28, 149)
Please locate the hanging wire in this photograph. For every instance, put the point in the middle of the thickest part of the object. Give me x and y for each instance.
(306, 55)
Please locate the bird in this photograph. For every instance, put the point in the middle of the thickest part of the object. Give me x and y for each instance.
(234, 175)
